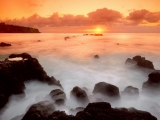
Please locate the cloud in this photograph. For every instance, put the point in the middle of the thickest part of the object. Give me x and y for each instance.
(104, 16)
(143, 16)
(111, 19)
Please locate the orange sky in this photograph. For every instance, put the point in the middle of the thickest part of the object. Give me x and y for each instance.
(146, 11)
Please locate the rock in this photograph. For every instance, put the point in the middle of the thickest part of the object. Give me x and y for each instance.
(141, 61)
(80, 95)
(74, 111)
(93, 111)
(2, 44)
(130, 61)
(131, 92)
(23, 55)
(13, 74)
(152, 85)
(61, 115)
(58, 96)
(103, 111)
(96, 56)
(107, 90)
(67, 37)
(39, 111)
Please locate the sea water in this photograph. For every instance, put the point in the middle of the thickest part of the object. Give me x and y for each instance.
(72, 62)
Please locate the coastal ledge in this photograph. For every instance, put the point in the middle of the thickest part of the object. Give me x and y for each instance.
(6, 28)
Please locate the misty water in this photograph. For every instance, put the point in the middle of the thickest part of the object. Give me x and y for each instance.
(72, 62)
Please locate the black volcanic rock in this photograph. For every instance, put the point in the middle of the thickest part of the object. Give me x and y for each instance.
(93, 111)
(2, 44)
(39, 111)
(13, 74)
(141, 61)
(131, 91)
(80, 95)
(103, 111)
(58, 96)
(5, 28)
(152, 85)
(107, 90)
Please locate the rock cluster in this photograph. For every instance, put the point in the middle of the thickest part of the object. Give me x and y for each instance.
(141, 61)
(93, 111)
(13, 74)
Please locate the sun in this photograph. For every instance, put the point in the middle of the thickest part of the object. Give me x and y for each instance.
(98, 30)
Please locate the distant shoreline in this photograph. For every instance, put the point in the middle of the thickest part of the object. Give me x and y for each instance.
(6, 28)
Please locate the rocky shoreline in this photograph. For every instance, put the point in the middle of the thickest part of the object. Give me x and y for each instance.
(13, 74)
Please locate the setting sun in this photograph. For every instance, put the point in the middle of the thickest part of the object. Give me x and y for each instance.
(98, 30)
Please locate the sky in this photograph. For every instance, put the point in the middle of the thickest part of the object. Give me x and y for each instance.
(83, 15)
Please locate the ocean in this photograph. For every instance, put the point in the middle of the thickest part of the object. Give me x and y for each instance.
(72, 62)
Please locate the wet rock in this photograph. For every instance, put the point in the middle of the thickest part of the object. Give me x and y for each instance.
(80, 95)
(152, 85)
(58, 96)
(96, 56)
(2, 44)
(39, 111)
(13, 74)
(141, 61)
(61, 115)
(131, 61)
(74, 111)
(93, 111)
(130, 91)
(107, 90)
(103, 111)
(23, 55)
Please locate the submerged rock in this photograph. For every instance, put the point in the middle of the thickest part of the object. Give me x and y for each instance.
(58, 96)
(2, 44)
(131, 92)
(13, 74)
(141, 61)
(107, 90)
(80, 95)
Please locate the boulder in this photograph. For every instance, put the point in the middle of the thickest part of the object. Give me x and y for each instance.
(80, 95)
(13, 74)
(130, 91)
(152, 85)
(103, 111)
(141, 61)
(39, 111)
(58, 96)
(93, 111)
(2, 44)
(107, 90)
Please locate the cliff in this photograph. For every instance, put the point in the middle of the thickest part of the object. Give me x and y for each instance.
(5, 28)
